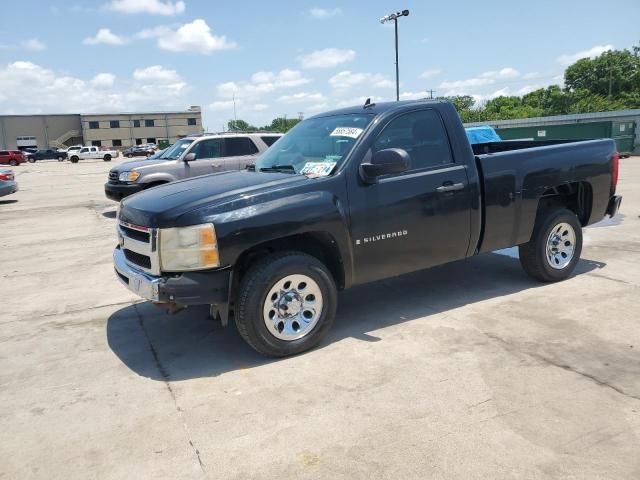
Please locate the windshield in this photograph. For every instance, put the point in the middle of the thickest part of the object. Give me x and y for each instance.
(175, 150)
(315, 147)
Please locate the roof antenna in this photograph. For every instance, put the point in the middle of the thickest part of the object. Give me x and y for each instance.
(368, 104)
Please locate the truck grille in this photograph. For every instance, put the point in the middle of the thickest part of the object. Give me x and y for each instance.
(113, 177)
(137, 259)
(139, 245)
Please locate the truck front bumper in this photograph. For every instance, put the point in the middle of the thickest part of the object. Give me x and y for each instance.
(614, 205)
(189, 288)
(117, 191)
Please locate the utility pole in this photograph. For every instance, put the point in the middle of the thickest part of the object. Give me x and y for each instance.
(235, 118)
(610, 78)
(394, 17)
(431, 92)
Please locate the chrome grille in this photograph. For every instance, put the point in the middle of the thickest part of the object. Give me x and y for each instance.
(139, 246)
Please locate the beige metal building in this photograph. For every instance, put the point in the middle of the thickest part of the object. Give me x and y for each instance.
(119, 130)
(39, 131)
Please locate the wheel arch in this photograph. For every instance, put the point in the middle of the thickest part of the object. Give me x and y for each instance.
(320, 245)
(576, 197)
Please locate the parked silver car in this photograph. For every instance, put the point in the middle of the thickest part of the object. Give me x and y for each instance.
(189, 157)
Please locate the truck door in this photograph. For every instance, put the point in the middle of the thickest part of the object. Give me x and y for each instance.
(415, 219)
(208, 158)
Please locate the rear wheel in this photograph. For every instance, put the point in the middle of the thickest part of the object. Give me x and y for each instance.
(74, 159)
(13, 163)
(129, 155)
(286, 304)
(60, 159)
(31, 160)
(555, 246)
(107, 158)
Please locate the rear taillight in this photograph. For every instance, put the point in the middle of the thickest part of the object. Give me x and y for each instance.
(6, 176)
(614, 173)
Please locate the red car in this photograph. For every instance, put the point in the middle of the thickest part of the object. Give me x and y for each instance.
(12, 157)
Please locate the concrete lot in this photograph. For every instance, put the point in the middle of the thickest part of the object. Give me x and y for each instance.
(470, 370)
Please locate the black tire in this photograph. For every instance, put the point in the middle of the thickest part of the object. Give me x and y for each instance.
(255, 286)
(74, 159)
(154, 184)
(13, 163)
(107, 158)
(129, 155)
(60, 159)
(533, 255)
(31, 160)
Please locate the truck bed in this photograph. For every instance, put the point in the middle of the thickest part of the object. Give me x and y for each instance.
(516, 174)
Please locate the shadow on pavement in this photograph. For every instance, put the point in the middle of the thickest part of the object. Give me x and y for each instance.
(109, 214)
(8, 202)
(190, 345)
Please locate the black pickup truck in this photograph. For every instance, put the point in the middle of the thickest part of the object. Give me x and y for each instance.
(352, 196)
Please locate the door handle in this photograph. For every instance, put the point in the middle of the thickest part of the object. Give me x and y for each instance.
(215, 165)
(450, 187)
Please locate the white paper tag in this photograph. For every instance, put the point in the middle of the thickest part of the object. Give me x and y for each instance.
(317, 169)
(352, 132)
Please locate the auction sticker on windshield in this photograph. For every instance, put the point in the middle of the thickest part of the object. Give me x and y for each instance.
(352, 132)
(317, 169)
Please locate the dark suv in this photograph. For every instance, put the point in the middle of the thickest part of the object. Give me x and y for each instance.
(46, 154)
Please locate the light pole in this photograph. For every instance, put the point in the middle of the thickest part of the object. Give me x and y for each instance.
(394, 17)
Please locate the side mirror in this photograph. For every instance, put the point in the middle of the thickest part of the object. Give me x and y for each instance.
(385, 162)
(189, 157)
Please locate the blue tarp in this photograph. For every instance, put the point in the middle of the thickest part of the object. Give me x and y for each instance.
(482, 134)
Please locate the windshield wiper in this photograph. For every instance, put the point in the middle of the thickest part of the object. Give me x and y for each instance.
(279, 168)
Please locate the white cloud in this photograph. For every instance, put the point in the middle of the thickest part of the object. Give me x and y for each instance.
(501, 74)
(156, 74)
(194, 37)
(414, 95)
(530, 75)
(261, 83)
(431, 73)
(153, 7)
(350, 102)
(347, 79)
(323, 13)
(327, 58)
(486, 78)
(302, 97)
(568, 59)
(34, 45)
(107, 37)
(103, 80)
(32, 88)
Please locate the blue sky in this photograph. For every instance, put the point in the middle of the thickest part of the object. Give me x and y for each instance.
(285, 57)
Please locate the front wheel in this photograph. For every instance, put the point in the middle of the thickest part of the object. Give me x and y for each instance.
(13, 163)
(286, 304)
(31, 160)
(60, 159)
(555, 246)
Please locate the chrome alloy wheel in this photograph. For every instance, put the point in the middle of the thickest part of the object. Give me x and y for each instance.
(292, 307)
(561, 245)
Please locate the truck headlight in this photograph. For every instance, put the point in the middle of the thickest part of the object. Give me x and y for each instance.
(128, 176)
(188, 248)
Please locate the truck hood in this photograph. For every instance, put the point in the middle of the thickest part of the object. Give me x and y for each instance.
(128, 166)
(163, 205)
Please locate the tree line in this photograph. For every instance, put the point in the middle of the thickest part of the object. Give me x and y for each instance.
(610, 81)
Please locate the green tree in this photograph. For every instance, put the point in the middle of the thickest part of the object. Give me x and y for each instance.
(237, 125)
(281, 124)
(610, 74)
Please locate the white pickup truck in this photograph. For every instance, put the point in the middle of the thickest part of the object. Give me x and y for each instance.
(86, 153)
